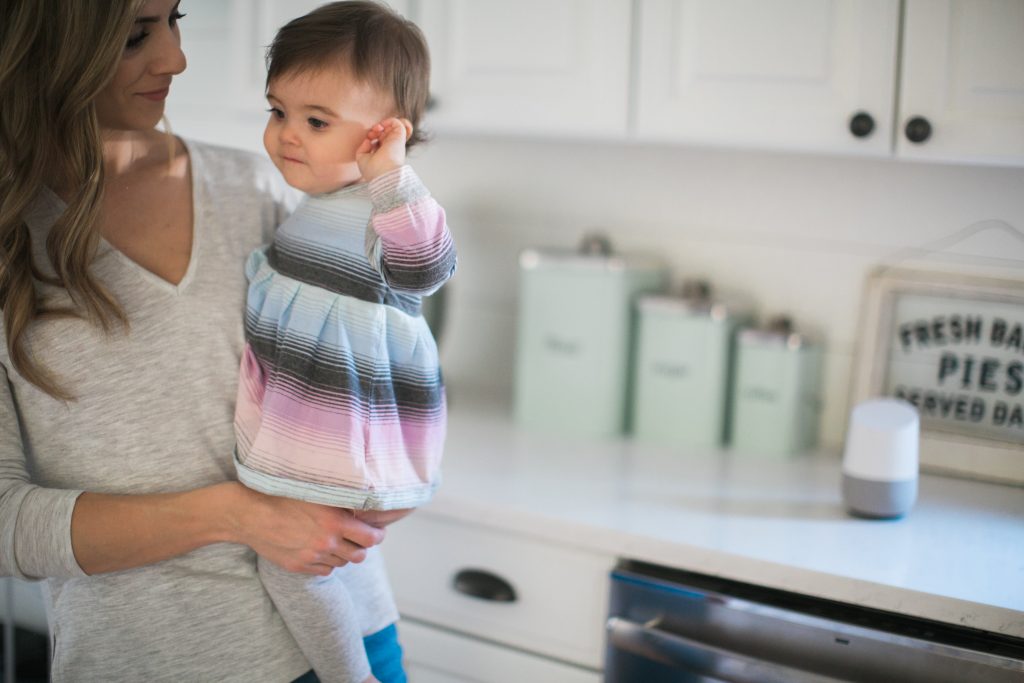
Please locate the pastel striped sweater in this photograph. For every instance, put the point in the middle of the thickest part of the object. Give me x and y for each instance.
(340, 396)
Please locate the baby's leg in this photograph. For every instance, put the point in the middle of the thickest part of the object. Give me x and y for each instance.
(319, 613)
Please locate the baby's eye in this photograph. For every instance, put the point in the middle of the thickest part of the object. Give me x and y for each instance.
(317, 123)
(276, 113)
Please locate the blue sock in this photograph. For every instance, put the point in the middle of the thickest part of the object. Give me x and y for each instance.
(385, 655)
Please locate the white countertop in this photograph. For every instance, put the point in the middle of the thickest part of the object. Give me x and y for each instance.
(958, 557)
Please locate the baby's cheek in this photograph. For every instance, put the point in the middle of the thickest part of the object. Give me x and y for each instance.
(353, 135)
(351, 147)
(269, 141)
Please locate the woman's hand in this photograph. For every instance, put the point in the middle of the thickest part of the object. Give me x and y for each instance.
(382, 518)
(301, 537)
(383, 150)
(116, 532)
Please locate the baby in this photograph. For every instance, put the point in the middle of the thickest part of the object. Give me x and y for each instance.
(340, 398)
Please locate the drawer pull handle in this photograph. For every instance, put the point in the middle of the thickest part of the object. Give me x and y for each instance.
(478, 583)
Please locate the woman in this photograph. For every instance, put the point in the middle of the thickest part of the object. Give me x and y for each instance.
(121, 285)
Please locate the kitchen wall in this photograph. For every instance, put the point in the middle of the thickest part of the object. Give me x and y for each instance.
(796, 234)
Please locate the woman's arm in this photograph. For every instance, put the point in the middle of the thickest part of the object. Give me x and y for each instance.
(48, 532)
(114, 532)
(34, 521)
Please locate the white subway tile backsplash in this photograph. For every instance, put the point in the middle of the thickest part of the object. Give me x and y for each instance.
(795, 234)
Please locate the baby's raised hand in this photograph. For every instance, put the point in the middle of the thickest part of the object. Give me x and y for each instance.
(383, 149)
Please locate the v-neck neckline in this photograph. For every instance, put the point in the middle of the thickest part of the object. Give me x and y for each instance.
(52, 199)
(148, 275)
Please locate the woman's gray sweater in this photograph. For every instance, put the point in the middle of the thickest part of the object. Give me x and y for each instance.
(153, 414)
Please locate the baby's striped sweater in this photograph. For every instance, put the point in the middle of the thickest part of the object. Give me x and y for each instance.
(340, 398)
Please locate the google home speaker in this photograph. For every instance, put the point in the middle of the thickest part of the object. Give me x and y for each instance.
(880, 460)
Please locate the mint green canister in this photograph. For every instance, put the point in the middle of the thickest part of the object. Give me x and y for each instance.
(777, 391)
(683, 372)
(573, 356)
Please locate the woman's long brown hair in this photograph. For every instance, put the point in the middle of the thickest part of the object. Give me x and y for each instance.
(55, 57)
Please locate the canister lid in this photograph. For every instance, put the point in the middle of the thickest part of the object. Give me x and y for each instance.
(777, 332)
(693, 299)
(594, 252)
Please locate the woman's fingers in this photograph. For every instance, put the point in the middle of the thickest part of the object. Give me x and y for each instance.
(381, 518)
(351, 531)
(302, 536)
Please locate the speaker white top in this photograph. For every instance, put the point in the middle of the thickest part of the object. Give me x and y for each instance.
(882, 441)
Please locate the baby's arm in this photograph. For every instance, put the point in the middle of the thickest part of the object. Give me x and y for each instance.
(407, 241)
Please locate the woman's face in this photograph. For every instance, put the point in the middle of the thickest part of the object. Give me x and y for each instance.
(134, 98)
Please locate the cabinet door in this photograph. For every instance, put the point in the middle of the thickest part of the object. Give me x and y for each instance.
(444, 572)
(963, 73)
(219, 98)
(433, 655)
(530, 66)
(785, 74)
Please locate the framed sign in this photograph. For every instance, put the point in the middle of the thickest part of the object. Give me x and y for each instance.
(953, 346)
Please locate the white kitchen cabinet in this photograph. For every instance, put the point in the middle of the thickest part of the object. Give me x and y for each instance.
(546, 622)
(788, 74)
(963, 74)
(552, 67)
(438, 656)
(794, 74)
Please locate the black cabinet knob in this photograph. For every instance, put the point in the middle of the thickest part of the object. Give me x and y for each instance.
(861, 124)
(918, 129)
(478, 583)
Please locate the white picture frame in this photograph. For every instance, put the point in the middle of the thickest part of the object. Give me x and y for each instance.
(951, 345)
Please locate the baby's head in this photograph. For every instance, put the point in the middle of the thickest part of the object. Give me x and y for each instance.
(331, 76)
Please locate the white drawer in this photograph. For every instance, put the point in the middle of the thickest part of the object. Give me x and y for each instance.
(561, 594)
(433, 655)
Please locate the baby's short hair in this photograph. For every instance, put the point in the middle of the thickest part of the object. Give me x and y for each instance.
(382, 48)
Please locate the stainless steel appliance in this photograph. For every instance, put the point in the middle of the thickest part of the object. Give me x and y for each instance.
(669, 626)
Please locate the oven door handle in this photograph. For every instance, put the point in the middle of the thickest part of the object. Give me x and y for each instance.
(650, 642)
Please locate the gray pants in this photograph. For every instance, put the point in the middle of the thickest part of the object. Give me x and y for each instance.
(325, 620)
